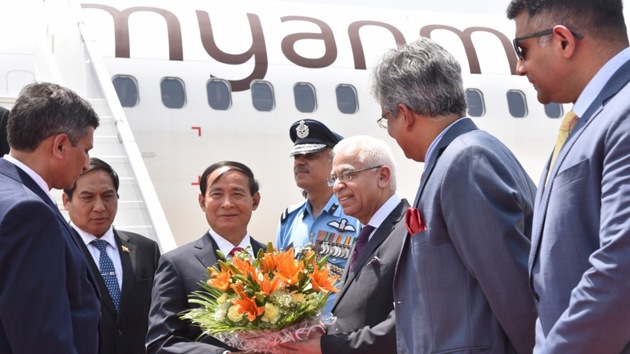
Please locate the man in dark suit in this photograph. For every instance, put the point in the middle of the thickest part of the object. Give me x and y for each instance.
(461, 280)
(49, 300)
(229, 194)
(4, 143)
(364, 181)
(577, 52)
(92, 205)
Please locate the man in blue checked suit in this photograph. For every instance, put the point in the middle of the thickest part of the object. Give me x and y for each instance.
(577, 52)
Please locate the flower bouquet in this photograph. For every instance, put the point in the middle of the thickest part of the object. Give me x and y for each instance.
(255, 305)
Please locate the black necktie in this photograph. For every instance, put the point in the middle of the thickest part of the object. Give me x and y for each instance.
(362, 241)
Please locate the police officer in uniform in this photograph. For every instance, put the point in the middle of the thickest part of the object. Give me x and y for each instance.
(319, 220)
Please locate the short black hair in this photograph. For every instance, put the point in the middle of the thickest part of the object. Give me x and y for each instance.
(97, 165)
(233, 166)
(602, 19)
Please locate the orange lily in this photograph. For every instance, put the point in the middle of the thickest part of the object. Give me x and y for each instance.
(288, 269)
(269, 286)
(247, 305)
(321, 281)
(220, 280)
(268, 263)
(246, 268)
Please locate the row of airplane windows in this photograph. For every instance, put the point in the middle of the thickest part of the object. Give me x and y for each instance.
(263, 99)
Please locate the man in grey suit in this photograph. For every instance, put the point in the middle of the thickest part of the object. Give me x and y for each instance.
(364, 180)
(577, 52)
(229, 194)
(461, 280)
(92, 204)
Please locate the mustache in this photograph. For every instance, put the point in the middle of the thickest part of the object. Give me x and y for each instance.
(300, 169)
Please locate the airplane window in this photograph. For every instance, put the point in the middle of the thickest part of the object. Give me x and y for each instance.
(347, 99)
(517, 103)
(305, 100)
(127, 90)
(474, 99)
(173, 94)
(553, 110)
(219, 95)
(262, 95)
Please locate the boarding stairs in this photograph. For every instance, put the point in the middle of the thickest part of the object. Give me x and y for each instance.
(46, 41)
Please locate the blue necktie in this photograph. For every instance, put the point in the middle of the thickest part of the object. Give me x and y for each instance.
(108, 272)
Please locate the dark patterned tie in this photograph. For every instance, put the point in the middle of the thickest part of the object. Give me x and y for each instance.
(362, 241)
(108, 272)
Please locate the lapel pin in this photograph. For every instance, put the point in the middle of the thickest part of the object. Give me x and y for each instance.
(125, 249)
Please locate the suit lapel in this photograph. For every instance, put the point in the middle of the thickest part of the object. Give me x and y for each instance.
(462, 126)
(25, 179)
(612, 87)
(380, 235)
(127, 252)
(207, 253)
(93, 268)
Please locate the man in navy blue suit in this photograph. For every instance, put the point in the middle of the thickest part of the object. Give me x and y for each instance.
(48, 296)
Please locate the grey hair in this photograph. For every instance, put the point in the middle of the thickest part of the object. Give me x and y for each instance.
(43, 110)
(423, 76)
(370, 152)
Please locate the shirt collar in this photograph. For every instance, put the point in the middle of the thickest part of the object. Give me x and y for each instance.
(384, 211)
(331, 207)
(226, 246)
(435, 142)
(598, 82)
(37, 178)
(108, 236)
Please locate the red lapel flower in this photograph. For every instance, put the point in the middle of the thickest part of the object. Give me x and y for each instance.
(413, 221)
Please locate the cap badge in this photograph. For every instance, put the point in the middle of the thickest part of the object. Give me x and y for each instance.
(302, 130)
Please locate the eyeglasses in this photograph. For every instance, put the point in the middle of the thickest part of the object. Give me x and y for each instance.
(519, 50)
(347, 175)
(382, 122)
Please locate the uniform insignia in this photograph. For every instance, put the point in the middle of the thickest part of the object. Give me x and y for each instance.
(284, 215)
(302, 130)
(342, 225)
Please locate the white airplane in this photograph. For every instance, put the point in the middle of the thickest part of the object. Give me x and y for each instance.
(200, 82)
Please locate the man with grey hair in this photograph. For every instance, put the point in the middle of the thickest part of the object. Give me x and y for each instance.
(364, 180)
(461, 281)
(49, 299)
(576, 51)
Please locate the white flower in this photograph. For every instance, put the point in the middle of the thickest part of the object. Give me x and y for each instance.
(272, 313)
(233, 314)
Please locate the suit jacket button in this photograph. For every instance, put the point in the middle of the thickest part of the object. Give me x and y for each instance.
(119, 332)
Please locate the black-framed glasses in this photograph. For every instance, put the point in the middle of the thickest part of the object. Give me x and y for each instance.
(519, 50)
(382, 122)
(347, 175)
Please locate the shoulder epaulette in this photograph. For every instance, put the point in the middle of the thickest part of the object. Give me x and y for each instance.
(290, 210)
